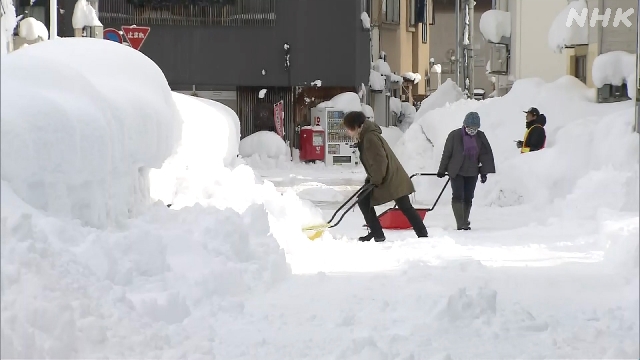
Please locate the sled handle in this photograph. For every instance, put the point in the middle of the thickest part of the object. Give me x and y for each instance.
(364, 189)
(441, 191)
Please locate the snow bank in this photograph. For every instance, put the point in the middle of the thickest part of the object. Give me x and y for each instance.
(348, 101)
(366, 21)
(495, 24)
(392, 134)
(447, 93)
(614, 67)
(264, 144)
(32, 29)
(85, 150)
(210, 140)
(318, 192)
(564, 31)
(84, 15)
(591, 149)
(8, 22)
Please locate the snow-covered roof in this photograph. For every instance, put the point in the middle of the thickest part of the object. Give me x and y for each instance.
(32, 29)
(614, 67)
(495, 24)
(565, 32)
(84, 15)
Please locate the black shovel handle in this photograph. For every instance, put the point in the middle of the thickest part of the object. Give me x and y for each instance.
(441, 191)
(364, 189)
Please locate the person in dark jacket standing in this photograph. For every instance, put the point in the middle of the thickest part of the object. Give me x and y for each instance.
(535, 137)
(466, 155)
(385, 176)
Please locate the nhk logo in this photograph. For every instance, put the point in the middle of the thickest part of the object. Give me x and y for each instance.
(581, 19)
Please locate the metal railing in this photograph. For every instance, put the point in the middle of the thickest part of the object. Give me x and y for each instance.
(236, 13)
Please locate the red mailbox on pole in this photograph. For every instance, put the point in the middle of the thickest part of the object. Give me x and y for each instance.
(312, 144)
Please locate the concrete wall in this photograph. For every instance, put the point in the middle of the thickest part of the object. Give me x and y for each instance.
(326, 37)
(530, 52)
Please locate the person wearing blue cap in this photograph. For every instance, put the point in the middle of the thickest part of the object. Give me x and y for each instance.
(467, 154)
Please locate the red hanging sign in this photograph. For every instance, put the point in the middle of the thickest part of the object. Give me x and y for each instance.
(278, 117)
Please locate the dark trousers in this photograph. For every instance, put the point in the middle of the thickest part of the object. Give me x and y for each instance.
(463, 188)
(403, 203)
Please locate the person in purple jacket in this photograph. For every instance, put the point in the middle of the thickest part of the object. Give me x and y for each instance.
(466, 155)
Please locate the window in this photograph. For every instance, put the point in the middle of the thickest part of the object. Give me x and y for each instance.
(425, 26)
(580, 64)
(411, 12)
(188, 13)
(391, 9)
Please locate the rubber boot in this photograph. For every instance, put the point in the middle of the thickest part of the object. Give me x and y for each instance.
(467, 212)
(458, 213)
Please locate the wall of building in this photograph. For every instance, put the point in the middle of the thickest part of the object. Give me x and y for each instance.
(530, 52)
(327, 42)
(443, 38)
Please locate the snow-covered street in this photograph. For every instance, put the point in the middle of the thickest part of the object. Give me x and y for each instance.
(96, 265)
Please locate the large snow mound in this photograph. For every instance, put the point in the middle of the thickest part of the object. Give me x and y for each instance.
(264, 144)
(567, 31)
(209, 141)
(84, 151)
(590, 162)
(495, 24)
(447, 93)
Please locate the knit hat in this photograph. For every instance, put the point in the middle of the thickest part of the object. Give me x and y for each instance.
(472, 119)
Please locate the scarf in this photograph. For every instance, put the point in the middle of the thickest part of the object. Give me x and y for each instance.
(470, 145)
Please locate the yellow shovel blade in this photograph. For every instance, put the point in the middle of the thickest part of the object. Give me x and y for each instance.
(315, 231)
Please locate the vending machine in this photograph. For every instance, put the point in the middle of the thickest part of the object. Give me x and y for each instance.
(340, 148)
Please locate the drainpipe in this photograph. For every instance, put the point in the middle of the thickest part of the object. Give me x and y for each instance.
(53, 19)
(458, 44)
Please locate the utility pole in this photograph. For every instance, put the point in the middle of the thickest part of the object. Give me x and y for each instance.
(458, 44)
(53, 19)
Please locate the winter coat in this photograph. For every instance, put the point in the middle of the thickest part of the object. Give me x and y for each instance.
(535, 137)
(382, 166)
(453, 154)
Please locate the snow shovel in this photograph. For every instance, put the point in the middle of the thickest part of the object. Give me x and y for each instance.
(315, 231)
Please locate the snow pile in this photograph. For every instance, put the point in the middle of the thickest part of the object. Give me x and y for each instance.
(395, 105)
(407, 116)
(317, 192)
(383, 68)
(8, 22)
(391, 134)
(84, 15)
(263, 144)
(31, 29)
(495, 24)
(368, 112)
(210, 139)
(616, 68)
(415, 77)
(376, 81)
(590, 149)
(447, 93)
(346, 102)
(366, 21)
(94, 135)
(566, 29)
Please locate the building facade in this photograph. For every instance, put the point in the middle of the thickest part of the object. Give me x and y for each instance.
(301, 52)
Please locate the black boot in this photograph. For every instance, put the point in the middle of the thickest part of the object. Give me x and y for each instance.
(458, 213)
(370, 236)
(467, 212)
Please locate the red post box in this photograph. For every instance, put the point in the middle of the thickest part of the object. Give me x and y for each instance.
(311, 144)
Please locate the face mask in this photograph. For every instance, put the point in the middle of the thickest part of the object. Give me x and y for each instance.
(471, 131)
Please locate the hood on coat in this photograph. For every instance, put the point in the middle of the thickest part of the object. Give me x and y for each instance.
(540, 120)
(370, 126)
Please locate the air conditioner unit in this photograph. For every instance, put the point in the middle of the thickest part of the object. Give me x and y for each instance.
(613, 93)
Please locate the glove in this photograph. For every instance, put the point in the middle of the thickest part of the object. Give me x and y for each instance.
(483, 178)
(440, 175)
(519, 144)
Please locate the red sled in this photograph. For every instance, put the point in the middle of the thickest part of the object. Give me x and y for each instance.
(394, 219)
